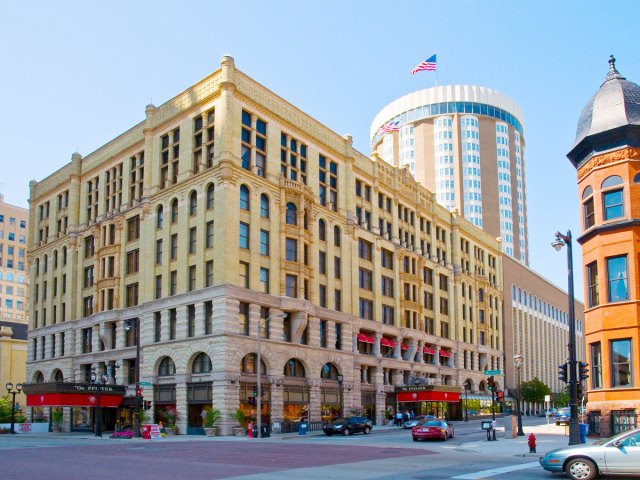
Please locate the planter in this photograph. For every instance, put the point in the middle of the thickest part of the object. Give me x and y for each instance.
(211, 431)
(239, 431)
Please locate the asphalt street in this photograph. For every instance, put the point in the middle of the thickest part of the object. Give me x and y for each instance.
(387, 453)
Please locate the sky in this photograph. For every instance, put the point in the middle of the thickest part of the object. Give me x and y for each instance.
(74, 75)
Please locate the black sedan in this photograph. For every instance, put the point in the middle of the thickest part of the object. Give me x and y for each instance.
(347, 426)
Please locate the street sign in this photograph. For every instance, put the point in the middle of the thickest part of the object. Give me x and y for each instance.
(492, 372)
(145, 384)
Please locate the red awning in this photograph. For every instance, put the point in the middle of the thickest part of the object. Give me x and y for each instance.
(445, 353)
(404, 346)
(452, 397)
(72, 400)
(365, 338)
(429, 350)
(385, 342)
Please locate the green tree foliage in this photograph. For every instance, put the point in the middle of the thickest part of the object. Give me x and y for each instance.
(5, 411)
(560, 399)
(534, 390)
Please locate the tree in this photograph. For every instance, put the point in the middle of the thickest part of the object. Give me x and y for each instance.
(6, 404)
(560, 399)
(534, 390)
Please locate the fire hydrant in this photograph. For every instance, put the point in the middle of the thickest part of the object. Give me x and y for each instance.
(532, 443)
(250, 430)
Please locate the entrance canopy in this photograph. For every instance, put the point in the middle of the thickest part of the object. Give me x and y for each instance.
(63, 394)
(428, 393)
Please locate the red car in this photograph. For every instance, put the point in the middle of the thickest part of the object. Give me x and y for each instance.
(432, 428)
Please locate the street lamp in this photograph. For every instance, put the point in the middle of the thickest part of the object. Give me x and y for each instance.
(574, 429)
(340, 378)
(517, 362)
(259, 372)
(13, 393)
(467, 387)
(128, 325)
(94, 379)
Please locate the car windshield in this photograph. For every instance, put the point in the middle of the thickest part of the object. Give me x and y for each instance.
(564, 411)
(339, 420)
(613, 438)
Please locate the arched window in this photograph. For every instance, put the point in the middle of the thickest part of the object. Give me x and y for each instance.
(337, 236)
(244, 198)
(210, 196)
(588, 217)
(292, 214)
(322, 230)
(294, 368)
(329, 372)
(174, 210)
(612, 198)
(248, 364)
(201, 364)
(636, 179)
(167, 368)
(193, 203)
(38, 377)
(159, 216)
(264, 206)
(58, 376)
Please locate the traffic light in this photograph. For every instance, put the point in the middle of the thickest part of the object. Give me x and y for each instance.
(500, 396)
(579, 388)
(255, 392)
(490, 383)
(562, 373)
(138, 392)
(583, 370)
(147, 404)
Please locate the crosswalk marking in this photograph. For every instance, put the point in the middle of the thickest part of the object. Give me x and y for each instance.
(496, 471)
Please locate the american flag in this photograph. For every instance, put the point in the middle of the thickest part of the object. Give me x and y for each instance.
(389, 127)
(429, 65)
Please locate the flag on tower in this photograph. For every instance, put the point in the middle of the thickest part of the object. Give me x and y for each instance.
(389, 127)
(429, 65)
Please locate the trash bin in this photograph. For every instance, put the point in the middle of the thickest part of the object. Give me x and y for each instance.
(584, 429)
(265, 431)
(303, 428)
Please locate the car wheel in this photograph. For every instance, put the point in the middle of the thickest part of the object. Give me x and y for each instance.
(328, 434)
(444, 437)
(581, 469)
(367, 430)
(451, 434)
(346, 432)
(415, 439)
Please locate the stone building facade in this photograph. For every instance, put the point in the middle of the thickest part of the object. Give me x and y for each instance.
(225, 209)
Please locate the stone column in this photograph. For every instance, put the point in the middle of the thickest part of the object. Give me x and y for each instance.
(277, 401)
(182, 408)
(315, 410)
(181, 324)
(199, 319)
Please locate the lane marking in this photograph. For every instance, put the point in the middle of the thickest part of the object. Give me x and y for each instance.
(496, 471)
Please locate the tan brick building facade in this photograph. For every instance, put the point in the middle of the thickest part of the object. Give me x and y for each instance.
(228, 205)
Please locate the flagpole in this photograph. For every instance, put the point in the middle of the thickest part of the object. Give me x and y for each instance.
(436, 54)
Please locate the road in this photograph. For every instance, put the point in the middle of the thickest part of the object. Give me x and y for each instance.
(382, 455)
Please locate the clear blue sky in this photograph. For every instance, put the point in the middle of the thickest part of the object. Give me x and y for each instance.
(76, 74)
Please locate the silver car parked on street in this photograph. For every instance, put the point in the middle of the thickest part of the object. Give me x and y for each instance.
(617, 455)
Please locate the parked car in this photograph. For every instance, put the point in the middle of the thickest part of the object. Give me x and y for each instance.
(617, 455)
(563, 415)
(548, 413)
(432, 428)
(347, 426)
(415, 420)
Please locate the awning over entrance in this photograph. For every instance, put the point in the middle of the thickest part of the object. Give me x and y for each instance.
(428, 393)
(63, 394)
(363, 337)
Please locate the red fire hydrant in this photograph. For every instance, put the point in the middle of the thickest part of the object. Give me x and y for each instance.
(532, 443)
(250, 430)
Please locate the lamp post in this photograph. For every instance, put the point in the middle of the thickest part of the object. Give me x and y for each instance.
(467, 387)
(340, 378)
(259, 372)
(517, 361)
(574, 429)
(13, 393)
(128, 325)
(97, 382)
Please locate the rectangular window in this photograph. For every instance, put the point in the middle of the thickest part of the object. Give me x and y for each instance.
(322, 263)
(157, 327)
(264, 242)
(264, 279)
(338, 330)
(621, 373)
(158, 251)
(132, 295)
(337, 270)
(158, 288)
(208, 317)
(323, 333)
(208, 274)
(617, 279)
(386, 258)
(244, 235)
(291, 286)
(589, 217)
(387, 286)
(244, 274)
(209, 236)
(173, 282)
(592, 284)
(365, 249)
(133, 229)
(322, 296)
(133, 259)
(174, 246)
(191, 320)
(243, 319)
(173, 323)
(596, 365)
(193, 235)
(337, 300)
(291, 250)
(365, 279)
(613, 204)
(387, 314)
(366, 309)
(192, 278)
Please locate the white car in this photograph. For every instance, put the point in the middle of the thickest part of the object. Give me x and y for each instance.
(412, 422)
